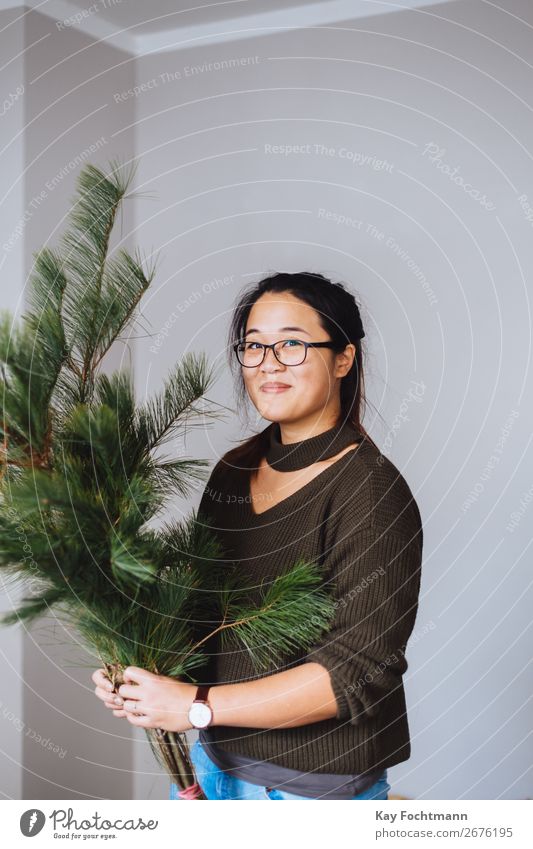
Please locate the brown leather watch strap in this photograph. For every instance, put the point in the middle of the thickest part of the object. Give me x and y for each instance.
(201, 693)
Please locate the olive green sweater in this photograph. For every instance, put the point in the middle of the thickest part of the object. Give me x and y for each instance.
(359, 520)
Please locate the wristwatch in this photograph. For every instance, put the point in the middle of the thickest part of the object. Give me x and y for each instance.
(200, 713)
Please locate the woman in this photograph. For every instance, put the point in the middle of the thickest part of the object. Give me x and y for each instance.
(312, 484)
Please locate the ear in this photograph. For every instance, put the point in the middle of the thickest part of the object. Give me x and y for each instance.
(344, 360)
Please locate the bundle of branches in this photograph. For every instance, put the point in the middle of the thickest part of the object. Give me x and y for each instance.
(83, 477)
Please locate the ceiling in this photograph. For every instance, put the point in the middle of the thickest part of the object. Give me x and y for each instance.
(157, 25)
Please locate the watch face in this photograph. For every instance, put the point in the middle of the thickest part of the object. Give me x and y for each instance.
(200, 714)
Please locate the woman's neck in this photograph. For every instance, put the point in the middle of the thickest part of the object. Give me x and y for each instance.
(290, 456)
(291, 432)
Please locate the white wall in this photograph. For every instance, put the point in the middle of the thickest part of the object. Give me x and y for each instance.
(442, 275)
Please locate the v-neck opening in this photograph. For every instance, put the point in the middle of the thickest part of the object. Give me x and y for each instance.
(306, 486)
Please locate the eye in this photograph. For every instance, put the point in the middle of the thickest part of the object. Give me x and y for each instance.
(293, 343)
(249, 346)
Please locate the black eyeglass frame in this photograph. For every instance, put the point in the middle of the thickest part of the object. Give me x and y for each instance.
(272, 344)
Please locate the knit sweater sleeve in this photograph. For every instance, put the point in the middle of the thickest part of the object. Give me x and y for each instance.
(376, 578)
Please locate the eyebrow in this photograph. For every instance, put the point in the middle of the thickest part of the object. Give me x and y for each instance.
(280, 330)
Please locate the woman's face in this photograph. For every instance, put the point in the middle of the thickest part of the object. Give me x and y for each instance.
(309, 392)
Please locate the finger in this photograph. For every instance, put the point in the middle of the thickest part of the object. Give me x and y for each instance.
(105, 695)
(101, 680)
(130, 691)
(107, 698)
(135, 673)
(100, 677)
(120, 713)
(140, 721)
(132, 706)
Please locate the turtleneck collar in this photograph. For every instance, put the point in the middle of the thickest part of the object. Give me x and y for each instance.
(297, 455)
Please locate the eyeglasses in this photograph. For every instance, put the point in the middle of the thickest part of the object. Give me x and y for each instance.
(288, 352)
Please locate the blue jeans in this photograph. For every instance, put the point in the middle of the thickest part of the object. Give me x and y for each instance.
(218, 784)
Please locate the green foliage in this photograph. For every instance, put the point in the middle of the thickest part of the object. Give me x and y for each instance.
(82, 473)
(291, 614)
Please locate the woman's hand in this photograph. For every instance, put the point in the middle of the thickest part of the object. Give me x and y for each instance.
(148, 700)
(104, 691)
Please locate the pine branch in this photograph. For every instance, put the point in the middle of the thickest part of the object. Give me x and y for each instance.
(176, 476)
(25, 387)
(126, 564)
(44, 318)
(125, 282)
(171, 409)
(92, 293)
(291, 615)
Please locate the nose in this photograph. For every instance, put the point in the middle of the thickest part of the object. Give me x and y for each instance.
(273, 361)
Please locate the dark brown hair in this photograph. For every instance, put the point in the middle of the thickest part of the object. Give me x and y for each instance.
(338, 314)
